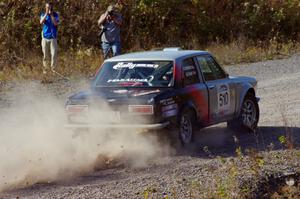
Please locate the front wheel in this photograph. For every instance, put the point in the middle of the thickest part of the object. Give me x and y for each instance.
(248, 117)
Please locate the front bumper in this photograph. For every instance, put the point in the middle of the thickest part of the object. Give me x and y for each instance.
(119, 126)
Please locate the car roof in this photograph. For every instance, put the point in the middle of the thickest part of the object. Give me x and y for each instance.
(157, 55)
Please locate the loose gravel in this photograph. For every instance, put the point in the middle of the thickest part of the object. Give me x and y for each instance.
(221, 163)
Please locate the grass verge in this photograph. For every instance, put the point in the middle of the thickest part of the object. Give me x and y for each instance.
(85, 61)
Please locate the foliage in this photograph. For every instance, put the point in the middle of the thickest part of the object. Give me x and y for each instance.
(155, 22)
(191, 24)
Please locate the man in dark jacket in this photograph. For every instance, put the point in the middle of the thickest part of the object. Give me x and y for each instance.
(111, 22)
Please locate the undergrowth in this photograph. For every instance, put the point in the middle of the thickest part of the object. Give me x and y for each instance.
(85, 61)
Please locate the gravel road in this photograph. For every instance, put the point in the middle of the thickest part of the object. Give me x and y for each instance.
(221, 164)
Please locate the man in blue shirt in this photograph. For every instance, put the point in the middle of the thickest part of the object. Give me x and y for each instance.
(111, 22)
(49, 19)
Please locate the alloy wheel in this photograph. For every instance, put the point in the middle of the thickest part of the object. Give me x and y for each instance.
(248, 114)
(186, 129)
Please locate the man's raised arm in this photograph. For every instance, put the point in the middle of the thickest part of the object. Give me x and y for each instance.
(43, 19)
(54, 21)
(102, 18)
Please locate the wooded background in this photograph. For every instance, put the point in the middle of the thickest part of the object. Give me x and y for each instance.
(152, 23)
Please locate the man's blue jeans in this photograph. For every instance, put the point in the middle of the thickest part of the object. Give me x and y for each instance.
(114, 46)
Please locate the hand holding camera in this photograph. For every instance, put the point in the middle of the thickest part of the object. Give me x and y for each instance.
(109, 15)
(49, 10)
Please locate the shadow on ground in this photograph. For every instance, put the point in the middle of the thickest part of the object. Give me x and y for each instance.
(220, 141)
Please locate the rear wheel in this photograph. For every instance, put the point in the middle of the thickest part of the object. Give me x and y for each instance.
(248, 117)
(186, 127)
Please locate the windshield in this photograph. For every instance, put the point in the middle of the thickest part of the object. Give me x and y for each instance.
(136, 74)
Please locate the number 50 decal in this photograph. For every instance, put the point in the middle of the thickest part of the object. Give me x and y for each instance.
(223, 98)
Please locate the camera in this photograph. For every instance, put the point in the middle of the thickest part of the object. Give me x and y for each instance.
(111, 13)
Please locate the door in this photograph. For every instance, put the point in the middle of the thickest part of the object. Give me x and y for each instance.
(220, 88)
(194, 91)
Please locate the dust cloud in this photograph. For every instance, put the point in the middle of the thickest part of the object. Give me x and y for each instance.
(36, 148)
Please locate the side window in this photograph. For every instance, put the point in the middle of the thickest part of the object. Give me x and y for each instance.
(218, 71)
(210, 69)
(189, 71)
(206, 69)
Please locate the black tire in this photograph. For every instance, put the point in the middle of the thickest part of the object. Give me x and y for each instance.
(248, 118)
(186, 126)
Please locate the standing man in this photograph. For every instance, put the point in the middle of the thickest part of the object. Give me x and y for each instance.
(49, 19)
(111, 22)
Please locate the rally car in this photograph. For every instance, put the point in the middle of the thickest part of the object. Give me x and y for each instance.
(152, 90)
